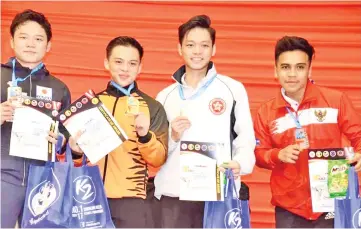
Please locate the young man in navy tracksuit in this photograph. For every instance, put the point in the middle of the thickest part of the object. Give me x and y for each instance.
(30, 40)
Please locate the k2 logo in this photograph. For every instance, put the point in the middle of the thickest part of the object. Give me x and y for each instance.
(84, 192)
(233, 219)
(356, 219)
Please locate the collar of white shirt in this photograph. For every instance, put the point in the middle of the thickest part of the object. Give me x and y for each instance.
(294, 104)
(188, 90)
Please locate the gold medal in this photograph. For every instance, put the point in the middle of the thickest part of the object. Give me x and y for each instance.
(132, 106)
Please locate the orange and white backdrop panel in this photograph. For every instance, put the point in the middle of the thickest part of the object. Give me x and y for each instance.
(246, 35)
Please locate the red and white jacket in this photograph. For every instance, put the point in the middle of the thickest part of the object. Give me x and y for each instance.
(326, 115)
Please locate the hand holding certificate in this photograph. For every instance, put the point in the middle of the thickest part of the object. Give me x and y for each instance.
(328, 171)
(100, 133)
(31, 125)
(200, 177)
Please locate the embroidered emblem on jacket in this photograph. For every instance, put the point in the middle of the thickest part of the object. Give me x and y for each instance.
(217, 106)
(320, 115)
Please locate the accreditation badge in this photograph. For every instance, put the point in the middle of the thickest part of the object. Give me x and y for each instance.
(302, 138)
(15, 95)
(132, 106)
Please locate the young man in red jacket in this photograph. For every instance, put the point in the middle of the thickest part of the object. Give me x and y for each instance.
(321, 114)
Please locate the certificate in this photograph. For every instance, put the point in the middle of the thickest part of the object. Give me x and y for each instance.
(101, 133)
(200, 178)
(318, 163)
(31, 124)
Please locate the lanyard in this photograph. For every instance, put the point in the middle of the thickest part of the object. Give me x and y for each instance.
(199, 92)
(14, 80)
(125, 91)
(297, 122)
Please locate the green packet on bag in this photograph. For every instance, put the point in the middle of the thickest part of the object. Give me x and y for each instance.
(337, 180)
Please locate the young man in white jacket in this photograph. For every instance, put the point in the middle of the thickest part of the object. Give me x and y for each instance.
(201, 105)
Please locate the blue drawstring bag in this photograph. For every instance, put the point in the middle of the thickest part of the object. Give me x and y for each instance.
(348, 210)
(90, 207)
(60, 195)
(48, 199)
(230, 213)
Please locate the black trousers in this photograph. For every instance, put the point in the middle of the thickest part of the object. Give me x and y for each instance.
(128, 212)
(153, 205)
(136, 212)
(177, 213)
(286, 219)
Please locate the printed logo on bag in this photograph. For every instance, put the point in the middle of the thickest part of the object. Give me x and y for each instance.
(338, 169)
(233, 219)
(44, 93)
(84, 192)
(41, 197)
(356, 219)
(217, 106)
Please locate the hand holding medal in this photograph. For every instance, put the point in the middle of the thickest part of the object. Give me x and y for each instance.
(141, 123)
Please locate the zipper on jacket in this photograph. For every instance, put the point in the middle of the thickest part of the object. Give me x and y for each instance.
(23, 184)
(106, 157)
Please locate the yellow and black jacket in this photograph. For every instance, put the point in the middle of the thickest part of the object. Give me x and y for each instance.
(125, 169)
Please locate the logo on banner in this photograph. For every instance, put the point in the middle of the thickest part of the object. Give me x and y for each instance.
(84, 192)
(44, 93)
(233, 219)
(356, 219)
(43, 196)
(217, 106)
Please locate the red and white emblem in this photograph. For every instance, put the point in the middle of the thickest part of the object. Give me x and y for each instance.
(217, 106)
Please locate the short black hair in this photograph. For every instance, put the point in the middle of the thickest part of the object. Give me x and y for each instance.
(124, 41)
(291, 43)
(31, 15)
(200, 21)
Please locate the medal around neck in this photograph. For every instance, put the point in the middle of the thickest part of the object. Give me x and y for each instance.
(132, 106)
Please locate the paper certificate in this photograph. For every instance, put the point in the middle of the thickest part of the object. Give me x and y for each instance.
(200, 178)
(318, 161)
(31, 124)
(100, 132)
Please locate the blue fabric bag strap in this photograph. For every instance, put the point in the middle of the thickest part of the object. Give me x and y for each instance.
(84, 161)
(353, 184)
(230, 190)
(68, 157)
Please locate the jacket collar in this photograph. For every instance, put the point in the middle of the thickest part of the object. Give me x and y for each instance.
(311, 93)
(111, 90)
(22, 72)
(177, 76)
